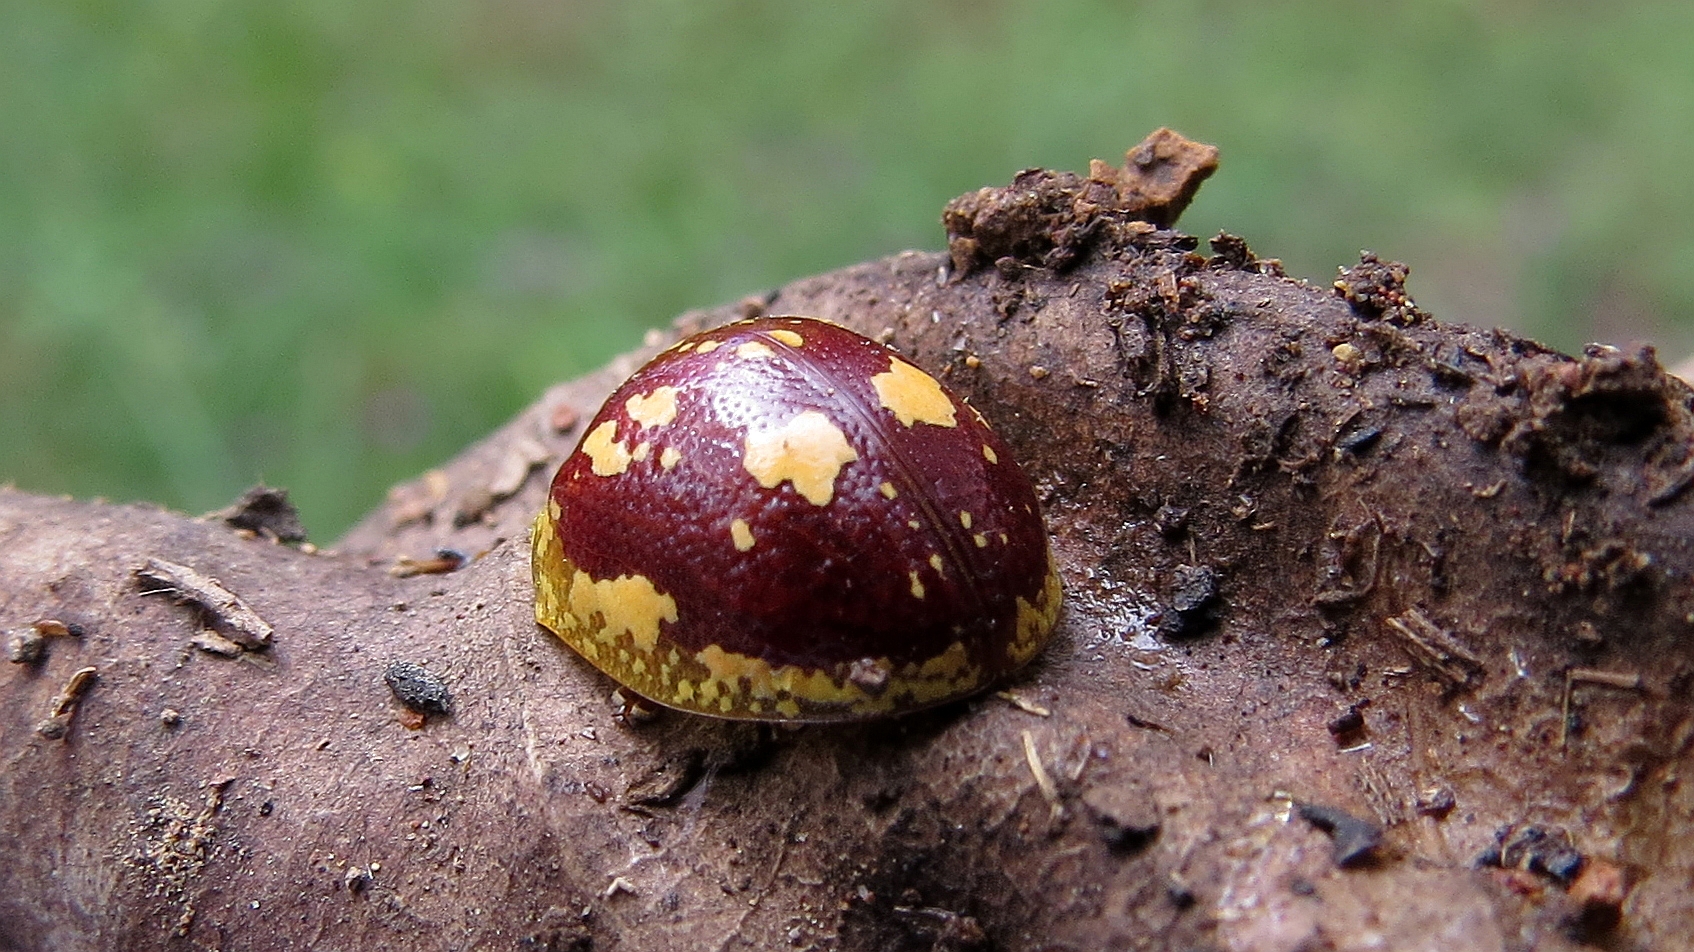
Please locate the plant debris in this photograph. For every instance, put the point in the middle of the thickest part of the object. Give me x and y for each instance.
(29, 645)
(264, 511)
(63, 708)
(1355, 839)
(443, 561)
(1435, 647)
(221, 610)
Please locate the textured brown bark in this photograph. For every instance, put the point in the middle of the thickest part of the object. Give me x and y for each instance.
(1334, 569)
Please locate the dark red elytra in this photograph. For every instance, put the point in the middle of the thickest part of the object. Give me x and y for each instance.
(780, 519)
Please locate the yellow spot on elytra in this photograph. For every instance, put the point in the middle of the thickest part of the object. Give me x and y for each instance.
(787, 708)
(653, 409)
(608, 456)
(628, 603)
(641, 451)
(912, 395)
(808, 450)
(669, 457)
(788, 337)
(917, 585)
(684, 691)
(964, 519)
(753, 349)
(708, 346)
(988, 453)
(742, 535)
(1002, 538)
(914, 523)
(980, 540)
(935, 562)
(889, 490)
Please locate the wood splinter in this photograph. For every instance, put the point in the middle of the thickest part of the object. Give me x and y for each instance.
(443, 562)
(58, 721)
(1043, 779)
(225, 612)
(1623, 681)
(1435, 647)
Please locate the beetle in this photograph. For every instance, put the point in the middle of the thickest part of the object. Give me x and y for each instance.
(779, 519)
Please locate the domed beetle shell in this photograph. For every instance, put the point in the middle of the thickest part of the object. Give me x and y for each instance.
(779, 519)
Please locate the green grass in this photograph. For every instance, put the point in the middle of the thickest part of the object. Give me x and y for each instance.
(326, 244)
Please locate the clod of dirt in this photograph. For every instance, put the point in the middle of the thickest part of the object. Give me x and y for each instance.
(1230, 253)
(1536, 849)
(1049, 219)
(1193, 604)
(1171, 521)
(418, 689)
(1585, 422)
(1376, 289)
(26, 647)
(1437, 801)
(1349, 726)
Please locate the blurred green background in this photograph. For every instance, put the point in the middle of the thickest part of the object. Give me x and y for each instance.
(327, 243)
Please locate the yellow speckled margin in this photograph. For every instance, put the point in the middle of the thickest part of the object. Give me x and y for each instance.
(1037, 619)
(728, 684)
